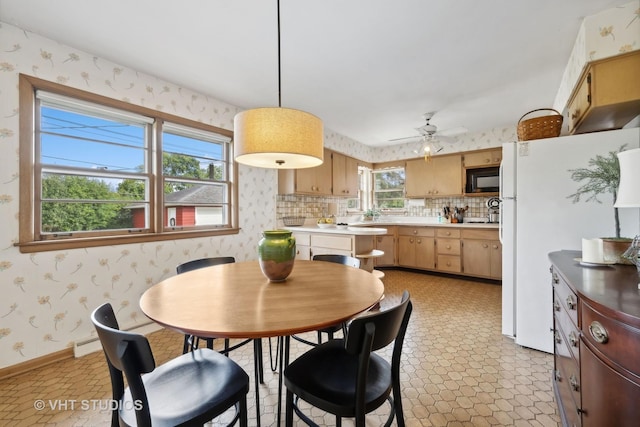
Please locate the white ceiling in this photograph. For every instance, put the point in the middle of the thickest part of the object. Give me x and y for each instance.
(368, 68)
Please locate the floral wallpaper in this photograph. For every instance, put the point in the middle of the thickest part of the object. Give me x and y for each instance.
(608, 33)
(47, 297)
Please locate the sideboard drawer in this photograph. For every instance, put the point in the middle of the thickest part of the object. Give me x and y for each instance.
(566, 297)
(616, 341)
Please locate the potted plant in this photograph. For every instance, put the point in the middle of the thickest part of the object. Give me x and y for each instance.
(603, 176)
(370, 214)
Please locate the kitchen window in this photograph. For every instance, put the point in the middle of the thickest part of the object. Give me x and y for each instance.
(388, 188)
(95, 171)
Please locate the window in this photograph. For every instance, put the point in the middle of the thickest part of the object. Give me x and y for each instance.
(388, 188)
(106, 169)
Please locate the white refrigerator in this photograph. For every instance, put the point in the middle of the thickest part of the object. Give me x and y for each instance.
(537, 217)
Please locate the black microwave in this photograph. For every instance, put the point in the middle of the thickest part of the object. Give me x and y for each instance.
(483, 180)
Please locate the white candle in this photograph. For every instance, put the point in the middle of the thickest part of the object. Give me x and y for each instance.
(592, 250)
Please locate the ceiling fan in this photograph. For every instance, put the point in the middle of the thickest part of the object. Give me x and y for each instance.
(430, 138)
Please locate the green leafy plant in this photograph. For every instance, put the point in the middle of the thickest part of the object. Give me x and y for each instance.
(602, 176)
(371, 213)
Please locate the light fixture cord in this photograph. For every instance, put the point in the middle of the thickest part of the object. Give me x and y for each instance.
(279, 77)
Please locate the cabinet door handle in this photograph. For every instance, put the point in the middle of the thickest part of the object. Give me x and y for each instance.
(571, 302)
(419, 241)
(598, 332)
(556, 279)
(495, 246)
(556, 305)
(410, 240)
(485, 246)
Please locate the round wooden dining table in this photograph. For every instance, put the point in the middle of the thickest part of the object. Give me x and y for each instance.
(236, 300)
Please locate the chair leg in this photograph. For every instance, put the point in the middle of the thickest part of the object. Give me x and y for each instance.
(338, 421)
(319, 337)
(244, 422)
(185, 345)
(288, 416)
(397, 405)
(226, 347)
(210, 343)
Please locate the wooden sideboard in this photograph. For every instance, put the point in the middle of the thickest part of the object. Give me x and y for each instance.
(596, 376)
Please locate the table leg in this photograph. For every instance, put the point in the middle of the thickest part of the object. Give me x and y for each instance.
(257, 353)
(283, 346)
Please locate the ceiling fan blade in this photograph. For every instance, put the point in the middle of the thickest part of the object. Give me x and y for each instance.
(405, 138)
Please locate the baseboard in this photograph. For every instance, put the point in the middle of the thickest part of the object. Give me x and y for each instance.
(38, 362)
(91, 345)
(80, 348)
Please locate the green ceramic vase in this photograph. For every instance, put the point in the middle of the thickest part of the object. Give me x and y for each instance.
(277, 252)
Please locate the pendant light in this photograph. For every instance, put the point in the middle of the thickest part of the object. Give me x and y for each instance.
(276, 137)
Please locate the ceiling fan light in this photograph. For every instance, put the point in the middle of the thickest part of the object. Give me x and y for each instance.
(280, 138)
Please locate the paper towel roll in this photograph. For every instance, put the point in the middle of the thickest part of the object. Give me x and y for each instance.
(592, 250)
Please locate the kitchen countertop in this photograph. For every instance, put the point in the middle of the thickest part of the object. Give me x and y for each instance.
(417, 223)
(377, 227)
(351, 230)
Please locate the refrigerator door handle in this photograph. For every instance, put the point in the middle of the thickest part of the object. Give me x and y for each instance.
(501, 175)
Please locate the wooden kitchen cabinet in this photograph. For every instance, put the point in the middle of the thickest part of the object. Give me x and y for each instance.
(303, 245)
(596, 313)
(607, 95)
(482, 253)
(441, 176)
(345, 175)
(478, 159)
(315, 181)
(416, 247)
(387, 244)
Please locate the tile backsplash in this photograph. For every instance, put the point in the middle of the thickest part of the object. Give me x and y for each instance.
(314, 207)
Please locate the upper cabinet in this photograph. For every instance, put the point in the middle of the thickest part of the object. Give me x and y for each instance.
(345, 175)
(478, 159)
(337, 176)
(315, 181)
(607, 95)
(440, 176)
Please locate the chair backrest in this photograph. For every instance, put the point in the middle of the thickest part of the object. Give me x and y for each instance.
(338, 259)
(388, 325)
(125, 352)
(203, 262)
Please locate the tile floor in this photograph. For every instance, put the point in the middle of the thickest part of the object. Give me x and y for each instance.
(457, 369)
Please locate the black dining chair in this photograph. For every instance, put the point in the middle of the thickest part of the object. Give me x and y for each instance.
(339, 259)
(192, 342)
(344, 377)
(189, 390)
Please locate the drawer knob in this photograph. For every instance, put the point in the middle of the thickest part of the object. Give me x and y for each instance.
(573, 338)
(574, 383)
(556, 280)
(556, 335)
(556, 305)
(571, 303)
(557, 375)
(598, 332)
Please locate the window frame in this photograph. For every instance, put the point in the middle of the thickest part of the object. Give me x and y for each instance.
(374, 191)
(29, 240)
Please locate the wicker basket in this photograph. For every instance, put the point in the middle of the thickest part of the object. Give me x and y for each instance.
(293, 221)
(540, 127)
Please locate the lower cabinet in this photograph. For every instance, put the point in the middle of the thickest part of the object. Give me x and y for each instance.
(482, 253)
(387, 244)
(416, 247)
